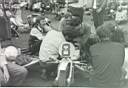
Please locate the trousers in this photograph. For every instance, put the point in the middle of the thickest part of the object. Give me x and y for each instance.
(51, 67)
(17, 75)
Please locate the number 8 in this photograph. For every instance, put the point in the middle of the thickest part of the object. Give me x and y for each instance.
(66, 50)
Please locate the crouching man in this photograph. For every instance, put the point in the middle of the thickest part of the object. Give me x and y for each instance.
(11, 74)
(107, 59)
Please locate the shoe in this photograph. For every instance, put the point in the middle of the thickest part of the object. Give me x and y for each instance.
(43, 75)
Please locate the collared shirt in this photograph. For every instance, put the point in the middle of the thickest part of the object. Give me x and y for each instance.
(50, 45)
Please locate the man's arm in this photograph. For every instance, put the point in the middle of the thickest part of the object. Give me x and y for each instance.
(102, 7)
(3, 63)
(6, 73)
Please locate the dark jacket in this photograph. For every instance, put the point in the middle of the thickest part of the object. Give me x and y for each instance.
(107, 61)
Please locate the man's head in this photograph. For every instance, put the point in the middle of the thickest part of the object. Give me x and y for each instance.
(71, 32)
(106, 30)
(40, 21)
(75, 32)
(11, 53)
(76, 12)
(74, 15)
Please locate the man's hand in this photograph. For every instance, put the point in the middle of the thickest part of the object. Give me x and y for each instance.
(99, 10)
(47, 28)
(6, 74)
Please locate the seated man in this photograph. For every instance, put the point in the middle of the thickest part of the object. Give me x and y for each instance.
(11, 74)
(37, 34)
(107, 59)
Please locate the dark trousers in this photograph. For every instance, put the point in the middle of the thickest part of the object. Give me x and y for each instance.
(49, 67)
(34, 45)
(17, 75)
(98, 18)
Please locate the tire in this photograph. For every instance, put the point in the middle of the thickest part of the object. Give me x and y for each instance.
(62, 81)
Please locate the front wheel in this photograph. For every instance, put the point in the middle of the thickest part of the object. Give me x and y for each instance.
(62, 79)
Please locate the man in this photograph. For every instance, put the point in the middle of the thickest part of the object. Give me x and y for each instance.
(5, 33)
(37, 34)
(11, 74)
(74, 13)
(98, 7)
(107, 59)
(49, 50)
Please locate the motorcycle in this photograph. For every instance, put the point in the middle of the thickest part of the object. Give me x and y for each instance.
(15, 25)
(67, 65)
(16, 20)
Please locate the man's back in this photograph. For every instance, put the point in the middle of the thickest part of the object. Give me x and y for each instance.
(50, 45)
(5, 33)
(107, 60)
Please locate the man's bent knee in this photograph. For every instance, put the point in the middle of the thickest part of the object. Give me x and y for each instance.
(23, 72)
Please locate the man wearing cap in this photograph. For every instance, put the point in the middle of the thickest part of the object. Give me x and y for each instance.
(73, 15)
(107, 59)
(98, 7)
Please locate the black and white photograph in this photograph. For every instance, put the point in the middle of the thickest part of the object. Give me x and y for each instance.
(64, 43)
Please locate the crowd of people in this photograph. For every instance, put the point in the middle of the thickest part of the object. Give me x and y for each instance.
(104, 51)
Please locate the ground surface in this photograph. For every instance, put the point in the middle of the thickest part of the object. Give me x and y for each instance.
(33, 78)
